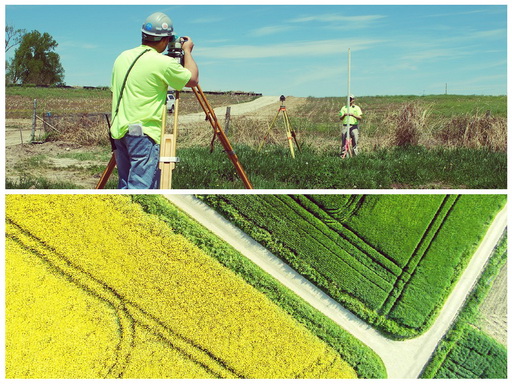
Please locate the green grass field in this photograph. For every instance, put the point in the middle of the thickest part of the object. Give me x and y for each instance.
(358, 261)
(456, 142)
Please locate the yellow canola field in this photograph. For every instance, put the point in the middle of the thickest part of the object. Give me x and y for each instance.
(95, 288)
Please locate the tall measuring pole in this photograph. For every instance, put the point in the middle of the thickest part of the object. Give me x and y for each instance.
(348, 93)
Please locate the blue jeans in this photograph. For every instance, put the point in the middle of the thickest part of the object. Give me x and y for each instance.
(137, 162)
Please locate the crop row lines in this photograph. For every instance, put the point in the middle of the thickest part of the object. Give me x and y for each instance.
(352, 253)
(343, 211)
(405, 273)
(419, 253)
(372, 255)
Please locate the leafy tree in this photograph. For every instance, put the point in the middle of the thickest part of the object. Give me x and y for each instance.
(13, 36)
(35, 61)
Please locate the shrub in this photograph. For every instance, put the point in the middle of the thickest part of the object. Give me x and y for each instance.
(409, 123)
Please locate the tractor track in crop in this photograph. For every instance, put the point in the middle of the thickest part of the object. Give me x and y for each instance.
(128, 314)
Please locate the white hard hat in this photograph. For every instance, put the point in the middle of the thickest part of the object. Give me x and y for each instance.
(157, 26)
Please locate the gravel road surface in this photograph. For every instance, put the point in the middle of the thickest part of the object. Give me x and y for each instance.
(236, 109)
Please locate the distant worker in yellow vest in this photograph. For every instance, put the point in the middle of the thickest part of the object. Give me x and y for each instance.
(140, 79)
(353, 120)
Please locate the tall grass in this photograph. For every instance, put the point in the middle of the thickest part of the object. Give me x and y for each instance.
(407, 167)
(475, 131)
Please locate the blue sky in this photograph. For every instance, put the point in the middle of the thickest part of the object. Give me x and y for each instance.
(295, 50)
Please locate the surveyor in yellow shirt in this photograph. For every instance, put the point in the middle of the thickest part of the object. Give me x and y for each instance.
(351, 119)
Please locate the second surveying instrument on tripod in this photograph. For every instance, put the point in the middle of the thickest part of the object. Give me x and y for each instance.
(290, 132)
(140, 79)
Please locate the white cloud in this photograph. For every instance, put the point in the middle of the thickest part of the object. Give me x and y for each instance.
(270, 30)
(78, 45)
(328, 18)
(300, 49)
(434, 54)
(207, 20)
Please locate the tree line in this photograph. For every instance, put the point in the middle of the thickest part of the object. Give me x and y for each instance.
(35, 60)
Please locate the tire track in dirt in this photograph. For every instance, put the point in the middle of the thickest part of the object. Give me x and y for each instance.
(236, 110)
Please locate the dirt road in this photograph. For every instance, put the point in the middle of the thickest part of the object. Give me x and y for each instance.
(242, 109)
(403, 359)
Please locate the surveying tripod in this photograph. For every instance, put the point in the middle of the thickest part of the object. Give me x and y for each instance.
(290, 133)
(168, 157)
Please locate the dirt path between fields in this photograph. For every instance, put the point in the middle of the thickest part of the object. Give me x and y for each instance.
(403, 359)
(242, 109)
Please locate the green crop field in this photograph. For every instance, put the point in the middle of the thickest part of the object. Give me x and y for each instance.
(476, 356)
(466, 351)
(390, 259)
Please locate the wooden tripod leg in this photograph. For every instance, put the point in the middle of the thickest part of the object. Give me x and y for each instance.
(168, 157)
(268, 131)
(111, 164)
(288, 134)
(217, 130)
(292, 131)
(166, 164)
(107, 172)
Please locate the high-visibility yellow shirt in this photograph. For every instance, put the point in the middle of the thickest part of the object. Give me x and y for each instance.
(354, 110)
(145, 91)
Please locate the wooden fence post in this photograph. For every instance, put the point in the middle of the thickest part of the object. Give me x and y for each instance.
(228, 117)
(32, 136)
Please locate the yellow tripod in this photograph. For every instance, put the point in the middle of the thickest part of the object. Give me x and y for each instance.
(290, 133)
(168, 157)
